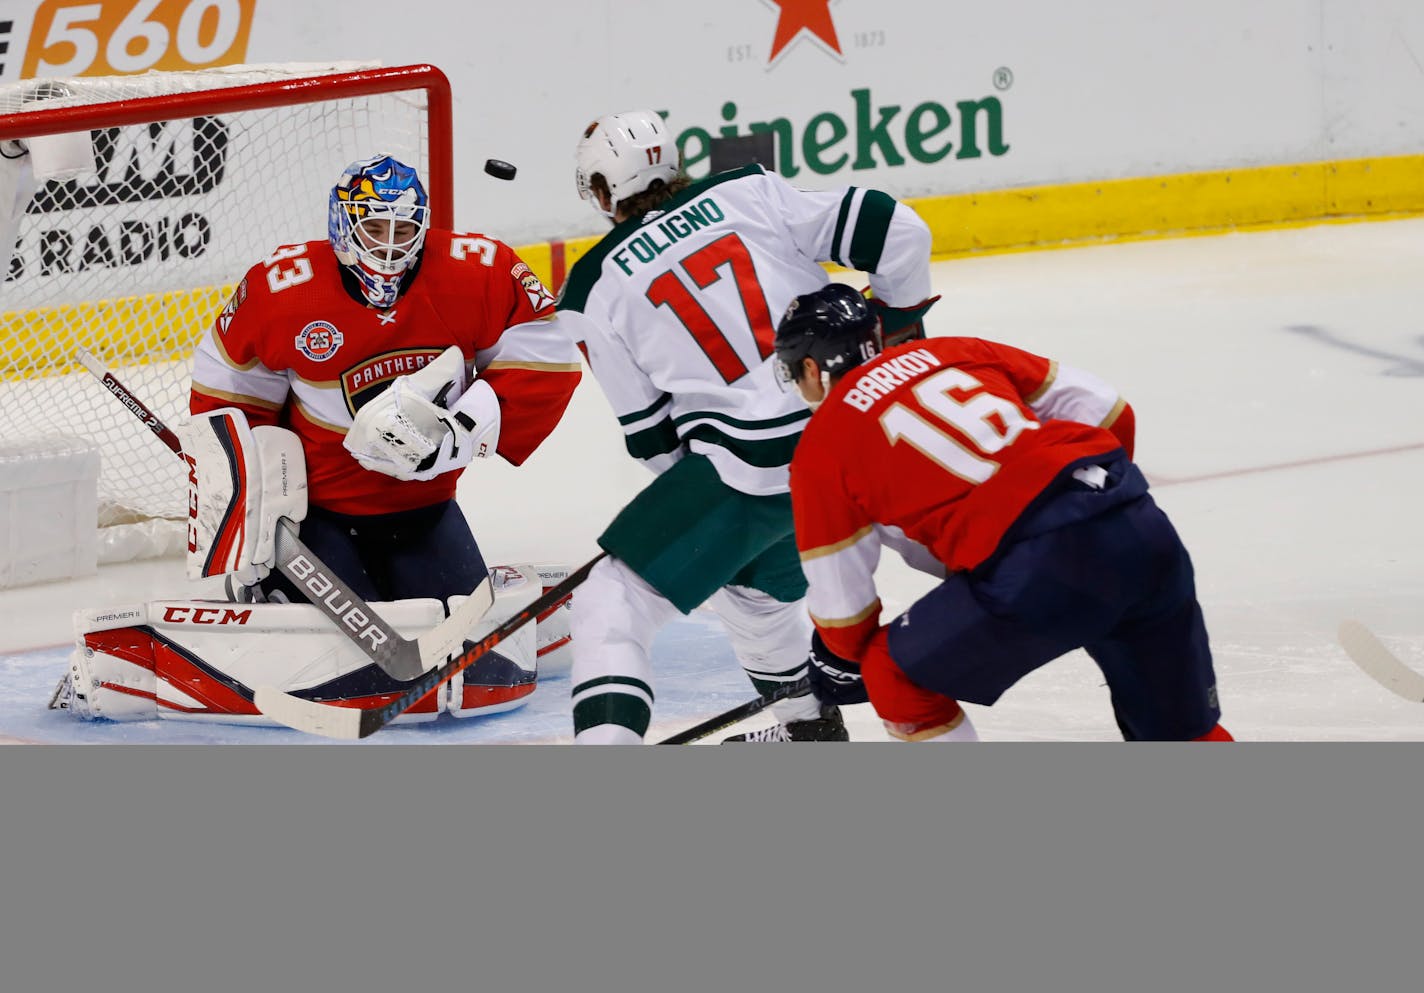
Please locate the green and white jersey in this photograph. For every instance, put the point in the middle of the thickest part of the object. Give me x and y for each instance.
(676, 311)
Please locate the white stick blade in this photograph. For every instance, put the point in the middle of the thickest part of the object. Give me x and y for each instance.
(304, 715)
(449, 636)
(1379, 663)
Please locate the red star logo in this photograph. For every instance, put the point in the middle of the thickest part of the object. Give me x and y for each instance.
(803, 15)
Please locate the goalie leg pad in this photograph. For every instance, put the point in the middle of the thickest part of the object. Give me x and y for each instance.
(505, 677)
(241, 480)
(553, 638)
(202, 660)
(111, 670)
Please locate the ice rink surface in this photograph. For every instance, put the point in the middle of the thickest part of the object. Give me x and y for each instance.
(1278, 381)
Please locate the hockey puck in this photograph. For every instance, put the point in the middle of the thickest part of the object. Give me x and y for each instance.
(499, 169)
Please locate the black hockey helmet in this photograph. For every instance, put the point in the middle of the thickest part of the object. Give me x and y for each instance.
(834, 325)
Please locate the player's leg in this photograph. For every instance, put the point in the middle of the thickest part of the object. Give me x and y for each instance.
(909, 711)
(1157, 660)
(1058, 584)
(679, 541)
(769, 638)
(764, 612)
(426, 552)
(613, 621)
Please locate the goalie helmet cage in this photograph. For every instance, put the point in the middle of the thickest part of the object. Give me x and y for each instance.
(198, 176)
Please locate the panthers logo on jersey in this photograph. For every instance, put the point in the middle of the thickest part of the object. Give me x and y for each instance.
(364, 381)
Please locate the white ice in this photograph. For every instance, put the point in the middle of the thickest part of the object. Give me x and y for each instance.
(1278, 380)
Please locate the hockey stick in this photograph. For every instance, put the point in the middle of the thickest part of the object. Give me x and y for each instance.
(1379, 663)
(740, 712)
(350, 723)
(400, 657)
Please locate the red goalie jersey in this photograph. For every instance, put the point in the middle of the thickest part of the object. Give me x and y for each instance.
(951, 439)
(293, 347)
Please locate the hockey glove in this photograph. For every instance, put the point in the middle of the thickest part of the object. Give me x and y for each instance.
(409, 433)
(900, 324)
(834, 679)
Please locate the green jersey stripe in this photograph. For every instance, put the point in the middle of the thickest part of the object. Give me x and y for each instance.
(841, 219)
(764, 453)
(651, 442)
(768, 424)
(647, 411)
(872, 224)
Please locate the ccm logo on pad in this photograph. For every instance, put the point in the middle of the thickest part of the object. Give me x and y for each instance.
(205, 615)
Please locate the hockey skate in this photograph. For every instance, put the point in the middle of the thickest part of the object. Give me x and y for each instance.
(828, 727)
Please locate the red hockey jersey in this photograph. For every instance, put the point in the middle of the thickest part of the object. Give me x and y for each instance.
(292, 347)
(942, 442)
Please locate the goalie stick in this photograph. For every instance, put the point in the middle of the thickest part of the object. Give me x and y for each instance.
(400, 657)
(351, 723)
(738, 713)
(1379, 663)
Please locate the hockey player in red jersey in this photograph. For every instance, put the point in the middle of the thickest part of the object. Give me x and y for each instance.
(1009, 475)
(397, 353)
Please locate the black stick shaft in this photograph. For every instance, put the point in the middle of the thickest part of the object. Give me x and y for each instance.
(740, 712)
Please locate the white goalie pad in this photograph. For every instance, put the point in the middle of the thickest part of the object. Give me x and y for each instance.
(241, 480)
(507, 675)
(553, 639)
(201, 660)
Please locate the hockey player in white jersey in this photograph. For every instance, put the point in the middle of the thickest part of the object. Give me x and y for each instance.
(675, 310)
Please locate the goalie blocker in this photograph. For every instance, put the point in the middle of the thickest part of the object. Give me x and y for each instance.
(201, 660)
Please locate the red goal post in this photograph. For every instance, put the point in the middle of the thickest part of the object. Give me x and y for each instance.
(196, 177)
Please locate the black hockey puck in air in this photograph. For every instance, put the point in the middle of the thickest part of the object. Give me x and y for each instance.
(499, 169)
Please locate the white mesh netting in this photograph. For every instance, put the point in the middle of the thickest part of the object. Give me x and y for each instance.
(134, 259)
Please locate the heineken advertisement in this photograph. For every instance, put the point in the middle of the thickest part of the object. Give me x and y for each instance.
(916, 99)
(862, 133)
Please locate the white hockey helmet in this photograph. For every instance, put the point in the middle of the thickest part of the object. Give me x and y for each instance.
(629, 150)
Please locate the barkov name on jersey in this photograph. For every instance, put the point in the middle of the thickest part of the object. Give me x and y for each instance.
(879, 381)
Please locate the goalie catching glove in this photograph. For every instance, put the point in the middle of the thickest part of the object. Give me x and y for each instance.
(412, 431)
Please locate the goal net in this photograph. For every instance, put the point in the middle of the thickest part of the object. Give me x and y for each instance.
(196, 176)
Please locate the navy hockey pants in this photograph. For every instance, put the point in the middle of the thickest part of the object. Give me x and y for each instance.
(1098, 569)
(427, 552)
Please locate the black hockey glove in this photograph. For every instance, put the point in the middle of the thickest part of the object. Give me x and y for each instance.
(834, 679)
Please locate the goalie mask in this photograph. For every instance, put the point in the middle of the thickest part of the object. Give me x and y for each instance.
(630, 151)
(377, 222)
(834, 326)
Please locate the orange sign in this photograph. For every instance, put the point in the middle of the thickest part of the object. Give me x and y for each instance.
(121, 37)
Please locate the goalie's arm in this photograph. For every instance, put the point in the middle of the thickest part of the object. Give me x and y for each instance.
(533, 370)
(223, 379)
